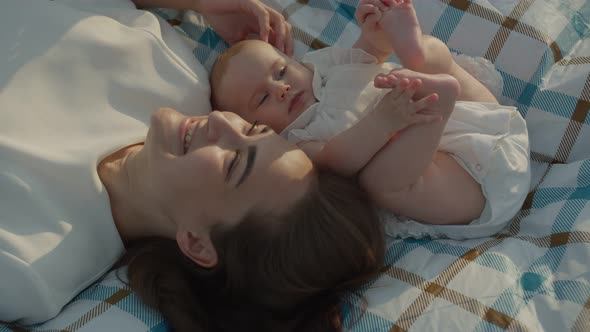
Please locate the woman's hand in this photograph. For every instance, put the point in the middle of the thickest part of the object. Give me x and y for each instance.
(234, 20)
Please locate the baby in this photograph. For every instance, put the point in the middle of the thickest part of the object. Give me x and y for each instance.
(428, 142)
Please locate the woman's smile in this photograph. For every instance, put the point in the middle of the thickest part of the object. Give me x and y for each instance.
(187, 132)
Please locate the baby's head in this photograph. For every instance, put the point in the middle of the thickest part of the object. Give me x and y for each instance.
(260, 83)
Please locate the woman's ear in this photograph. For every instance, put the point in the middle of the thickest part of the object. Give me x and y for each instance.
(197, 247)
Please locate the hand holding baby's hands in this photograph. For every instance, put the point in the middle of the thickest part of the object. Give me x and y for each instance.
(399, 106)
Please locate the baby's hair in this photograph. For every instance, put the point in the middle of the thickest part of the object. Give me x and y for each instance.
(219, 69)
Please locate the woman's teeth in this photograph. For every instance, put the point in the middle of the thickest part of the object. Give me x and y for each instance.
(189, 135)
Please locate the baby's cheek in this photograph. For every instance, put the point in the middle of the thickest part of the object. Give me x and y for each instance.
(248, 116)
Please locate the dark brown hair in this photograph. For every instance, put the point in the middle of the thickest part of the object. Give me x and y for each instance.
(275, 273)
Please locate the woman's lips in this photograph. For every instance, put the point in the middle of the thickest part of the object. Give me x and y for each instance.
(185, 126)
(182, 132)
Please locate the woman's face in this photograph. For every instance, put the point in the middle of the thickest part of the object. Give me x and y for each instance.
(218, 168)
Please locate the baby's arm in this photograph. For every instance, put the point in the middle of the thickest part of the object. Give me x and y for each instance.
(373, 39)
(348, 152)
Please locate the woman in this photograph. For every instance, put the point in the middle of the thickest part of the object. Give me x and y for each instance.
(215, 239)
(271, 246)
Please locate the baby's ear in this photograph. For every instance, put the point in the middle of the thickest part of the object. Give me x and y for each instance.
(197, 247)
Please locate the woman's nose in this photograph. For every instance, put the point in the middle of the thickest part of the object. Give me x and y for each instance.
(219, 126)
(281, 90)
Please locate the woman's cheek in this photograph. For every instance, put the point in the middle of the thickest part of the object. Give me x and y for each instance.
(208, 164)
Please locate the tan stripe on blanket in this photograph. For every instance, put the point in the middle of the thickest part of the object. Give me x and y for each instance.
(437, 288)
(417, 308)
(98, 309)
(581, 60)
(433, 290)
(574, 126)
(469, 304)
(582, 323)
(507, 25)
(298, 33)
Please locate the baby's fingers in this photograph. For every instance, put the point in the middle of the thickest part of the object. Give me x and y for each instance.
(410, 85)
(425, 102)
(426, 118)
(384, 81)
(425, 114)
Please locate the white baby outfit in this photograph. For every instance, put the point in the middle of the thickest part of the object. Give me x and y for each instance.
(488, 140)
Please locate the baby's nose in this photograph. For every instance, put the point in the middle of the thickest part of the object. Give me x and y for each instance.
(282, 91)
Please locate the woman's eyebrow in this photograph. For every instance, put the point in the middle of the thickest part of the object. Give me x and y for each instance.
(250, 158)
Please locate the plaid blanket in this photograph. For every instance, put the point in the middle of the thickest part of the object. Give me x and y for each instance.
(532, 276)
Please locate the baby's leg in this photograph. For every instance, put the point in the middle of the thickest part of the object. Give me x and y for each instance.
(408, 170)
(424, 53)
(401, 25)
(438, 60)
(444, 194)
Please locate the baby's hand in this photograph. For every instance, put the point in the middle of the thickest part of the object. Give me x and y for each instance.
(399, 104)
(368, 14)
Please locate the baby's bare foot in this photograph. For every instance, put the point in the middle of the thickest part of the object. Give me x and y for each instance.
(445, 86)
(401, 24)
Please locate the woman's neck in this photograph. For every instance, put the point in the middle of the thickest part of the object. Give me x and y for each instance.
(134, 216)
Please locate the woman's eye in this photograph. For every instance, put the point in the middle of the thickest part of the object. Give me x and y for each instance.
(232, 164)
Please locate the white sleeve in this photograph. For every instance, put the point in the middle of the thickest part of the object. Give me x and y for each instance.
(24, 297)
(325, 58)
(297, 136)
(325, 125)
(124, 12)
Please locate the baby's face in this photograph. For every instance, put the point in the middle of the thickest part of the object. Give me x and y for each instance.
(263, 84)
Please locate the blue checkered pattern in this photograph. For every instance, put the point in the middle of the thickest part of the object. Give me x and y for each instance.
(532, 276)
(107, 305)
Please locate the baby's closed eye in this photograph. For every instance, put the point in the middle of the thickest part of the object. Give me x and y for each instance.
(263, 99)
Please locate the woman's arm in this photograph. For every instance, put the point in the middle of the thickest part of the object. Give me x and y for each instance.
(235, 20)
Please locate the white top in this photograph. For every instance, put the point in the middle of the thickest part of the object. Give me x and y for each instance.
(488, 140)
(74, 87)
(343, 85)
